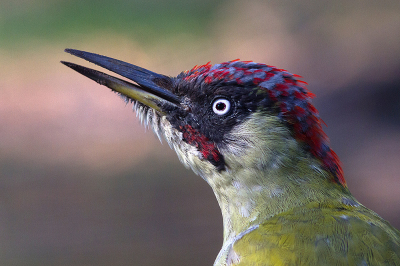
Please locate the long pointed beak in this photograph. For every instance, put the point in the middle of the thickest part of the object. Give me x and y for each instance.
(146, 90)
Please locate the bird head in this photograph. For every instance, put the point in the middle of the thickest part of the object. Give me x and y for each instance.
(225, 117)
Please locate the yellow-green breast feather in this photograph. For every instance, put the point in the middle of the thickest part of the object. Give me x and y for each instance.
(321, 234)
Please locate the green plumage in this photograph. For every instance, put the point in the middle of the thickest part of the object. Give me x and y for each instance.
(297, 215)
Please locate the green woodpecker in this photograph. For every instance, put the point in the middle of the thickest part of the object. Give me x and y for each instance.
(250, 131)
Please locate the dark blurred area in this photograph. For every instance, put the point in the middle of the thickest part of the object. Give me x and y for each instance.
(83, 183)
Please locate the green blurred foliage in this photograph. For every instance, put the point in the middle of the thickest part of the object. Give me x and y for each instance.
(148, 19)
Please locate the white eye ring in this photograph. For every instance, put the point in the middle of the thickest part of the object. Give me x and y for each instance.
(221, 106)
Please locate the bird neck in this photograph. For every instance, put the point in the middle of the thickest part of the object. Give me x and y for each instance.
(269, 178)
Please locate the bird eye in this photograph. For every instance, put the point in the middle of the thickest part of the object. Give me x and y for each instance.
(221, 106)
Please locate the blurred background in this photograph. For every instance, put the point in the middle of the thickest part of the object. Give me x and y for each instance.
(83, 183)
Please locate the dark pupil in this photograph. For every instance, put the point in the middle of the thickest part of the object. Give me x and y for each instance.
(220, 106)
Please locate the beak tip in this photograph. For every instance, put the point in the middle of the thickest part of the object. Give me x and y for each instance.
(75, 52)
(68, 64)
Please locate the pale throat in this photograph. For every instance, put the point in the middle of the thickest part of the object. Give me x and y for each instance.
(267, 173)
